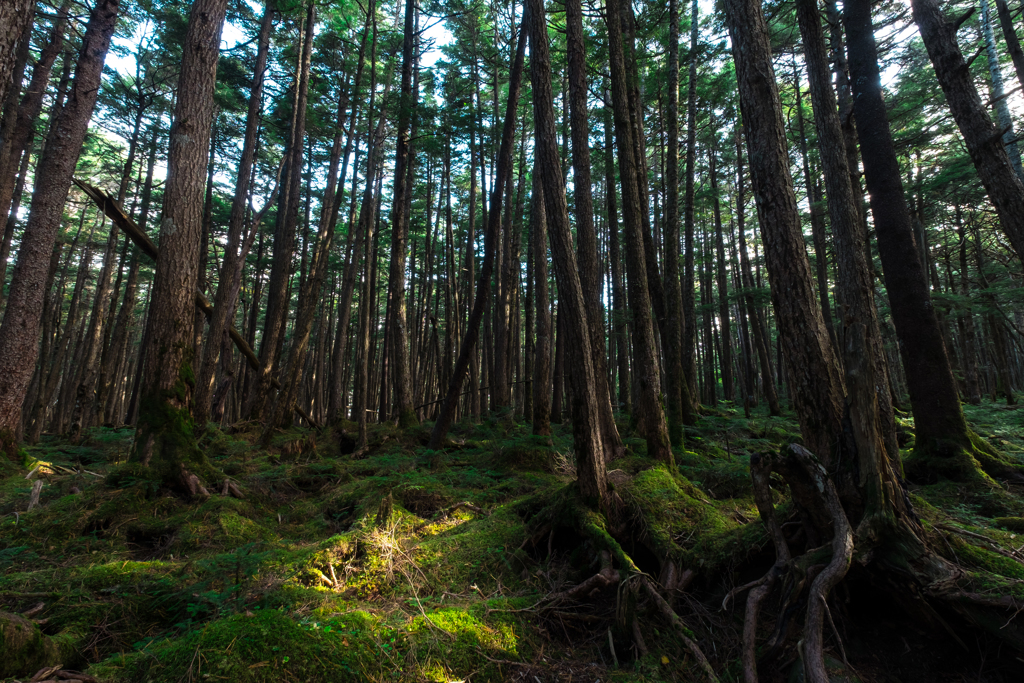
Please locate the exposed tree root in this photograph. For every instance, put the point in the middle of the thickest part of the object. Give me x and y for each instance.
(615, 562)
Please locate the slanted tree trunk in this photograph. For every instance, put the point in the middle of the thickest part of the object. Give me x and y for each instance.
(26, 114)
(19, 333)
(483, 290)
(164, 441)
(984, 141)
(647, 414)
(870, 412)
(586, 417)
(814, 371)
(230, 269)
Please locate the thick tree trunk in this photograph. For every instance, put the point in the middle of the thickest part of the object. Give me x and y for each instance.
(870, 413)
(817, 387)
(942, 436)
(19, 333)
(164, 441)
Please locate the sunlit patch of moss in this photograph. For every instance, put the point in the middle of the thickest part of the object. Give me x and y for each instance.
(458, 636)
(478, 550)
(676, 516)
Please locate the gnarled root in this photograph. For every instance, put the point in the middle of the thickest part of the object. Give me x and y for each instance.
(815, 492)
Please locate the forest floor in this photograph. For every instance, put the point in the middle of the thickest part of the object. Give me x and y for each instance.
(364, 567)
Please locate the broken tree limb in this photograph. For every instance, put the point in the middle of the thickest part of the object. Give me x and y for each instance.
(113, 210)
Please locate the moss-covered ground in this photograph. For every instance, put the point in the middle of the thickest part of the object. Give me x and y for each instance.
(309, 578)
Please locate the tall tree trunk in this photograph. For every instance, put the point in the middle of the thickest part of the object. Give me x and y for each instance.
(19, 333)
(728, 387)
(164, 441)
(619, 305)
(586, 417)
(676, 318)
(942, 436)
(870, 412)
(817, 387)
(965, 321)
(590, 273)
(647, 407)
(689, 340)
(279, 286)
(542, 365)
(399, 365)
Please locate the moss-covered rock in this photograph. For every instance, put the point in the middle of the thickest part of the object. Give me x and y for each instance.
(25, 648)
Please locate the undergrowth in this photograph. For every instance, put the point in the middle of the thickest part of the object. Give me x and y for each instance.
(311, 578)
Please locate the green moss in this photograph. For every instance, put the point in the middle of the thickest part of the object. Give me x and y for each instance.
(984, 559)
(676, 516)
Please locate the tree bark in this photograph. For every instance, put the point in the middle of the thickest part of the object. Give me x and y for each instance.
(590, 273)
(817, 388)
(164, 441)
(647, 407)
(586, 417)
(942, 436)
(279, 285)
(19, 333)
(399, 357)
(15, 19)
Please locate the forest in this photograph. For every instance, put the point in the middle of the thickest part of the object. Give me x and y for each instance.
(459, 340)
